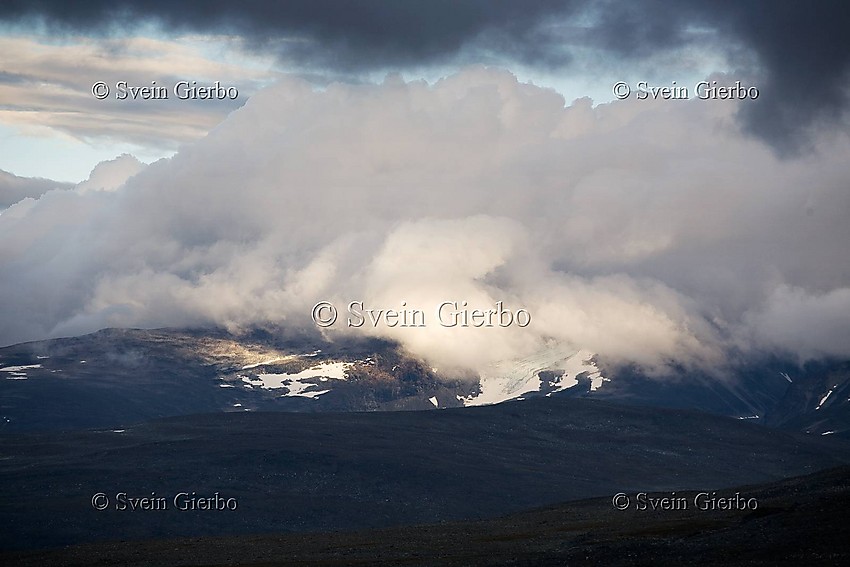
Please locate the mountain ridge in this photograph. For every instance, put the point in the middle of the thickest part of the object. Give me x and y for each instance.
(119, 376)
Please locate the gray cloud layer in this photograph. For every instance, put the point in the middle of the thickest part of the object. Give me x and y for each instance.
(362, 34)
(802, 49)
(14, 188)
(646, 232)
(48, 85)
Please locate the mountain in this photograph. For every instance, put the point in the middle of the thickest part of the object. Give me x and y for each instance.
(293, 434)
(817, 400)
(117, 377)
(121, 376)
(813, 398)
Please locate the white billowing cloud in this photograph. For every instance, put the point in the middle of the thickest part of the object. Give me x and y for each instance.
(644, 231)
(112, 174)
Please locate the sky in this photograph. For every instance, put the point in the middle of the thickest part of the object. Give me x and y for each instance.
(407, 154)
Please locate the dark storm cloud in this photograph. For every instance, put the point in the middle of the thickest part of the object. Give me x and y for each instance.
(801, 48)
(364, 34)
(806, 49)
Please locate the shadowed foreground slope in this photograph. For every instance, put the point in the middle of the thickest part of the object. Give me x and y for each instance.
(294, 472)
(801, 521)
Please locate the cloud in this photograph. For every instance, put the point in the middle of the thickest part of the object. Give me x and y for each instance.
(14, 188)
(46, 85)
(648, 232)
(808, 324)
(111, 175)
(327, 32)
(798, 51)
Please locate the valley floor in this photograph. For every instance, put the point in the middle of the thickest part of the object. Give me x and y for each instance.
(799, 521)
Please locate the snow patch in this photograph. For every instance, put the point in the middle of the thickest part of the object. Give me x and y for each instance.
(312, 394)
(826, 397)
(268, 361)
(511, 379)
(19, 368)
(297, 384)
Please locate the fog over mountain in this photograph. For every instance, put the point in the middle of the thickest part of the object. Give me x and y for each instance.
(646, 232)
